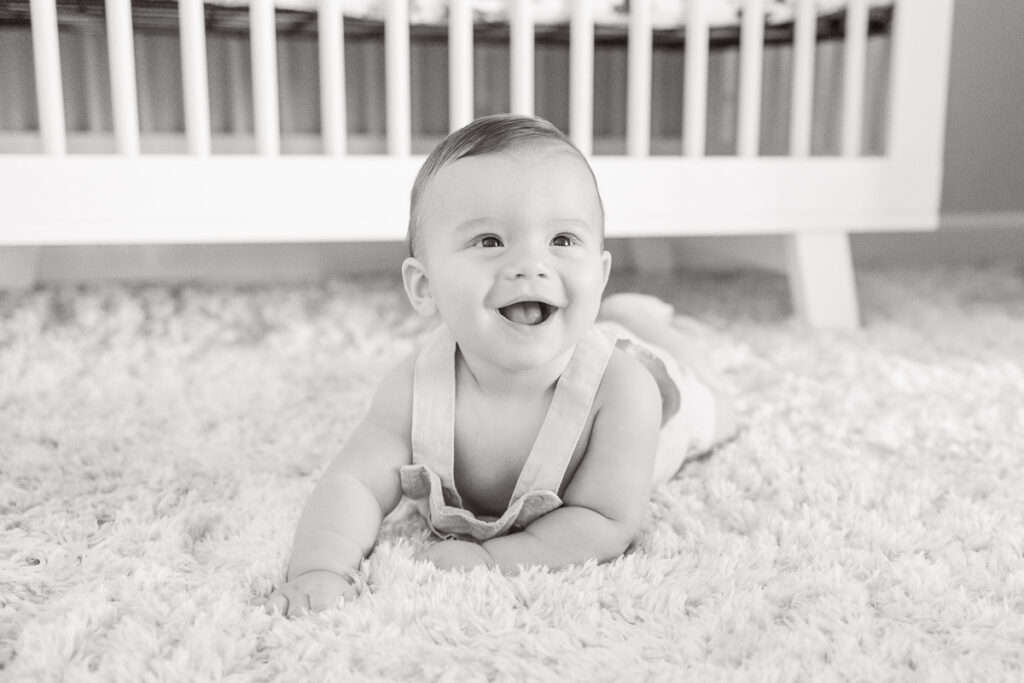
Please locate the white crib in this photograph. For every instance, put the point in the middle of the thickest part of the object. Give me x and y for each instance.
(812, 201)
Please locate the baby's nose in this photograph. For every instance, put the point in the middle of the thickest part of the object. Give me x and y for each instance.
(527, 266)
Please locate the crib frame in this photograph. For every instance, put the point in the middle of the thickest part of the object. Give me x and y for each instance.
(813, 202)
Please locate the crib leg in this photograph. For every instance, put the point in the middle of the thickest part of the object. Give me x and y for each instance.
(19, 267)
(821, 280)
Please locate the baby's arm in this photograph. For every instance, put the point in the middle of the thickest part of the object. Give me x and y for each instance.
(605, 503)
(339, 524)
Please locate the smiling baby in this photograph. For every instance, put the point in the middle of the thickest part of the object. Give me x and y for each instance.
(531, 425)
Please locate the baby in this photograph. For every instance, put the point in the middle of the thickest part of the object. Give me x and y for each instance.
(532, 424)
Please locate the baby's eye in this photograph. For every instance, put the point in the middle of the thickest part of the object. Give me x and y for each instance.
(563, 241)
(489, 241)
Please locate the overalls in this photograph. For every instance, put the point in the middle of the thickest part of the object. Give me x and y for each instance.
(430, 480)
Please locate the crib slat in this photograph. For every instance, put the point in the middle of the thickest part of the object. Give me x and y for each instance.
(638, 90)
(919, 86)
(333, 121)
(460, 64)
(695, 95)
(802, 95)
(396, 57)
(581, 75)
(521, 27)
(124, 98)
(196, 89)
(751, 69)
(854, 65)
(263, 40)
(49, 93)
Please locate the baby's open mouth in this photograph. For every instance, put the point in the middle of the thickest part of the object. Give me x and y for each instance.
(527, 312)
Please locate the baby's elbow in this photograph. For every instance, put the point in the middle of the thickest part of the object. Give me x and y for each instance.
(618, 536)
(610, 530)
(615, 550)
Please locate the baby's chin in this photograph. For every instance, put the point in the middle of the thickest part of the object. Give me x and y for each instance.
(534, 356)
(522, 364)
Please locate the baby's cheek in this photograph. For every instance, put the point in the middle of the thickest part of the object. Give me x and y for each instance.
(591, 290)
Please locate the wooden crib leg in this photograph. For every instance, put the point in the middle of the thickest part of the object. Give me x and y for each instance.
(821, 280)
(19, 267)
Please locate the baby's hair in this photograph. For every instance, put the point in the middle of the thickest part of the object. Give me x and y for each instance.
(485, 135)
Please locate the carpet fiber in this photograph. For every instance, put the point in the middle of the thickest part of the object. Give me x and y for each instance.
(157, 444)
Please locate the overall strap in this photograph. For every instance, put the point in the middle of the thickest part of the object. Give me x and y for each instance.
(567, 416)
(433, 409)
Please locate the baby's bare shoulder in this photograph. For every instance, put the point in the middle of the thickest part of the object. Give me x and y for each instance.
(628, 401)
(614, 475)
(627, 381)
(392, 403)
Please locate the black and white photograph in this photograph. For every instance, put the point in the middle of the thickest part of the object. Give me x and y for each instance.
(511, 340)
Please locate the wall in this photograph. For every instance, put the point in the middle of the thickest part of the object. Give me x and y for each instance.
(983, 174)
(984, 169)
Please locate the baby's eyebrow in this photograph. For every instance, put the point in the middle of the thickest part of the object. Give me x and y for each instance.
(572, 221)
(576, 223)
(493, 222)
(475, 224)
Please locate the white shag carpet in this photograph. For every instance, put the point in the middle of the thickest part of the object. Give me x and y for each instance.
(157, 444)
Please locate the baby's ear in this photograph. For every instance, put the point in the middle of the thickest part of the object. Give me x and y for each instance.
(417, 287)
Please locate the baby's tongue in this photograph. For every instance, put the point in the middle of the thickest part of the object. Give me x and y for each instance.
(524, 313)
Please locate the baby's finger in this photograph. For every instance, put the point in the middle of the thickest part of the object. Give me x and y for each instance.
(277, 602)
(298, 601)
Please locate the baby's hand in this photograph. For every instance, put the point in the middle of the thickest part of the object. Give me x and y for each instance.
(313, 591)
(456, 555)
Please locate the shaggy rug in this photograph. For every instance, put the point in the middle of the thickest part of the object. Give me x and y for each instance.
(157, 444)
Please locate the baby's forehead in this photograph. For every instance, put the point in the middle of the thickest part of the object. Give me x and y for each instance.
(462, 184)
(505, 175)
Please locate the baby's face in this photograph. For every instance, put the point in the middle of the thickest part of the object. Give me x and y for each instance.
(512, 254)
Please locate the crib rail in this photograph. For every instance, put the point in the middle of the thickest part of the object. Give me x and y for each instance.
(917, 87)
(460, 41)
(338, 195)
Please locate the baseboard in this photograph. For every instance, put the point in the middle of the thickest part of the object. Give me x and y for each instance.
(963, 237)
(218, 263)
(985, 220)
